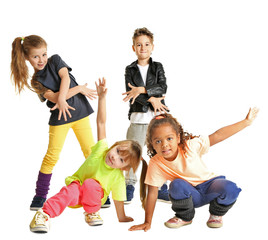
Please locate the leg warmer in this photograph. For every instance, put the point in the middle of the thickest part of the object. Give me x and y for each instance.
(183, 208)
(218, 209)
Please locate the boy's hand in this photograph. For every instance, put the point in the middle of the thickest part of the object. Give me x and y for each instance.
(101, 88)
(126, 219)
(157, 105)
(144, 226)
(252, 114)
(133, 93)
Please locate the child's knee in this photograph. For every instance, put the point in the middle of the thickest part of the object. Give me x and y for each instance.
(230, 193)
(179, 189)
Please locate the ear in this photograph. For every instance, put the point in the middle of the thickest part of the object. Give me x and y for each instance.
(133, 48)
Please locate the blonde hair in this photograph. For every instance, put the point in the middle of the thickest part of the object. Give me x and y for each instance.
(19, 70)
(133, 153)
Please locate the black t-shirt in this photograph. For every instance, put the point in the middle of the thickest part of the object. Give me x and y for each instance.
(50, 79)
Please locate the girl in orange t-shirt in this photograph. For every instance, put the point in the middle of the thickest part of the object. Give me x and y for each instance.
(176, 156)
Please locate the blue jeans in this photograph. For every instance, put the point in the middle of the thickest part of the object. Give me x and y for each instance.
(218, 188)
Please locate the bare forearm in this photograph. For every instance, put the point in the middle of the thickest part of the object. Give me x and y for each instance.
(64, 87)
(150, 204)
(53, 97)
(228, 131)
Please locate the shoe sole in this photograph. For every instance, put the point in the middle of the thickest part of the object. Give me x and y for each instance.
(176, 226)
(214, 225)
(35, 208)
(164, 201)
(39, 230)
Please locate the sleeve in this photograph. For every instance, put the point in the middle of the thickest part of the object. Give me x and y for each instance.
(59, 63)
(160, 87)
(154, 175)
(142, 98)
(200, 144)
(119, 189)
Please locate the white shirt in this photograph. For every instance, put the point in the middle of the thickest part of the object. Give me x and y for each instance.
(140, 117)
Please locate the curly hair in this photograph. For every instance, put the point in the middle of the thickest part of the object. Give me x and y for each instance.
(166, 119)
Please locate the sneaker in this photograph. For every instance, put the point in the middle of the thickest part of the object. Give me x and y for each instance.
(40, 222)
(163, 195)
(37, 203)
(176, 222)
(130, 194)
(93, 219)
(107, 203)
(214, 221)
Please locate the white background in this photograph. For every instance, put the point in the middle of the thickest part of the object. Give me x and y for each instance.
(215, 56)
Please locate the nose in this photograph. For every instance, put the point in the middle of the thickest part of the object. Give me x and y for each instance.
(164, 144)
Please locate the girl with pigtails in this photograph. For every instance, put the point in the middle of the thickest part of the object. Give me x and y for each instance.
(53, 82)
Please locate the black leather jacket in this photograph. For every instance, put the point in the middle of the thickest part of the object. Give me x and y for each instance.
(155, 85)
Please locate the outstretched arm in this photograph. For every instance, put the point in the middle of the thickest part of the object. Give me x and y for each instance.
(230, 130)
(101, 115)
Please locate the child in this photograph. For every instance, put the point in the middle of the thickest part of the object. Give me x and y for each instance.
(145, 84)
(52, 81)
(92, 183)
(176, 156)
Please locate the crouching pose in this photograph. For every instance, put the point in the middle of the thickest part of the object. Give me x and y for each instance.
(177, 156)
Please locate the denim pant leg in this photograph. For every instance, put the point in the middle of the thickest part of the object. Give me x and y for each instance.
(180, 189)
(219, 188)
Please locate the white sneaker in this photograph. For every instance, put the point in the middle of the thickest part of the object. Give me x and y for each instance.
(40, 222)
(93, 219)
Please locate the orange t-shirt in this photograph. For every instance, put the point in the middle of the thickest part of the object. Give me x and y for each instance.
(189, 167)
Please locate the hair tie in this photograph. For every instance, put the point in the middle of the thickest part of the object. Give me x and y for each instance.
(161, 116)
(22, 39)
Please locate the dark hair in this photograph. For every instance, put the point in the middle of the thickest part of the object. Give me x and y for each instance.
(142, 31)
(156, 122)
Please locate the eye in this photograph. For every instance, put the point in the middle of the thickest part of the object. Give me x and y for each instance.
(122, 160)
(170, 139)
(158, 141)
(44, 54)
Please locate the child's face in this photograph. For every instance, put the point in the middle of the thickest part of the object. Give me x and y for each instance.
(165, 142)
(143, 47)
(114, 159)
(38, 58)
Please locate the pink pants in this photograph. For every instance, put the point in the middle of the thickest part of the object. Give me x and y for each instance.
(88, 195)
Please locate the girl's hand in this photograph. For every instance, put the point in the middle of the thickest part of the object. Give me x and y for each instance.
(252, 114)
(101, 88)
(126, 219)
(144, 226)
(133, 93)
(157, 105)
(90, 93)
(63, 107)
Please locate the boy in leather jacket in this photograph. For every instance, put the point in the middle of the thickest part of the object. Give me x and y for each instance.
(145, 88)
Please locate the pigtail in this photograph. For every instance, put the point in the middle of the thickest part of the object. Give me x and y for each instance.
(143, 186)
(19, 69)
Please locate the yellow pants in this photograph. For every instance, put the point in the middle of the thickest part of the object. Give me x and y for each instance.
(57, 136)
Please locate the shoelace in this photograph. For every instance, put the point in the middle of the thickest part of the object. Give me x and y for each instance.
(215, 218)
(40, 218)
(92, 215)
